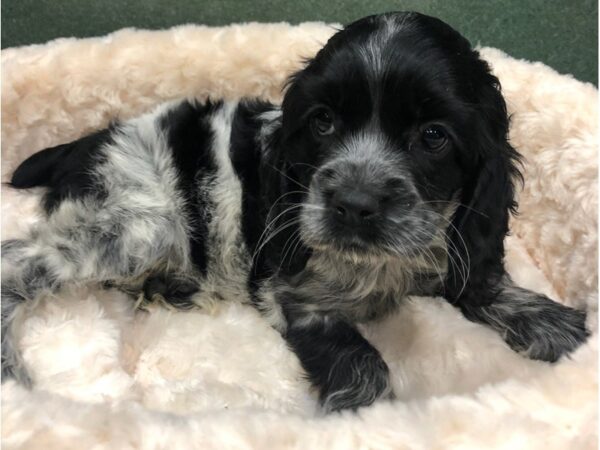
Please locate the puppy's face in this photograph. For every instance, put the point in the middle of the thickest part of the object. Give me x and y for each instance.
(383, 129)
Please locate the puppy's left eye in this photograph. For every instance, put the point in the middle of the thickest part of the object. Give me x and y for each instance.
(322, 122)
(434, 137)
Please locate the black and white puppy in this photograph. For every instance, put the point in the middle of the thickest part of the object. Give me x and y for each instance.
(386, 172)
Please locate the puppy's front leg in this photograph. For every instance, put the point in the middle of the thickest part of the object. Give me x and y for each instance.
(348, 371)
(531, 323)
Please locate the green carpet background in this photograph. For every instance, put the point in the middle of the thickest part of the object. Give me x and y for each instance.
(561, 33)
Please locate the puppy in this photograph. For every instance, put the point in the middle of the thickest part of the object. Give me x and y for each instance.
(386, 172)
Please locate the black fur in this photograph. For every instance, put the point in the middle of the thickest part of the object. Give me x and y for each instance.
(246, 157)
(67, 170)
(189, 137)
(175, 290)
(347, 369)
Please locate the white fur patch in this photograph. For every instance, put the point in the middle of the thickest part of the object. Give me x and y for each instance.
(229, 260)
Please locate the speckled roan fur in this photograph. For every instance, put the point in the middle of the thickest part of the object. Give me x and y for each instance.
(143, 210)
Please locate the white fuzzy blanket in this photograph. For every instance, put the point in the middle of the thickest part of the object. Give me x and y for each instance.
(110, 377)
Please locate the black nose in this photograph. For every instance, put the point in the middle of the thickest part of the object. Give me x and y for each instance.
(354, 207)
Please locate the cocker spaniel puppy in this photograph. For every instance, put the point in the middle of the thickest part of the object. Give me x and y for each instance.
(386, 172)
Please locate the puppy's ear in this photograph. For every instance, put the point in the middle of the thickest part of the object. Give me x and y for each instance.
(480, 223)
(282, 193)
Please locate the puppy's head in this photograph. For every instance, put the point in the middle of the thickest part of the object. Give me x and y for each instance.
(396, 134)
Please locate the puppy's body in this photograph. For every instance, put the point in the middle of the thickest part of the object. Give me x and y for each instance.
(377, 178)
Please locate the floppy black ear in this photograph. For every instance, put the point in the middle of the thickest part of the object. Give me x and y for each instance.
(282, 192)
(480, 223)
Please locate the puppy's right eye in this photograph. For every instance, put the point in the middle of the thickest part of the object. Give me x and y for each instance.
(322, 122)
(435, 137)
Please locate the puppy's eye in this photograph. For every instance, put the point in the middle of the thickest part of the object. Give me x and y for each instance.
(322, 122)
(434, 137)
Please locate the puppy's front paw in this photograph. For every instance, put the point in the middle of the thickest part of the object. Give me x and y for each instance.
(355, 380)
(548, 332)
(533, 324)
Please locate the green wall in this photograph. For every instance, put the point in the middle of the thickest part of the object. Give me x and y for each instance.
(563, 34)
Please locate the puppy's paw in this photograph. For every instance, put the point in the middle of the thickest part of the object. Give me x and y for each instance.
(172, 290)
(356, 380)
(548, 332)
(533, 324)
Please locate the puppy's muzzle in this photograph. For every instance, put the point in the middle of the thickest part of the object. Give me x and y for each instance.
(358, 196)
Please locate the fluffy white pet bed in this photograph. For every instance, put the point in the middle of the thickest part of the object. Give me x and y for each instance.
(110, 377)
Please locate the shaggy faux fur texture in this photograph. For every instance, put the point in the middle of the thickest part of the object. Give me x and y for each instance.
(110, 377)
